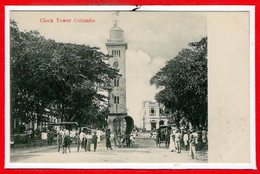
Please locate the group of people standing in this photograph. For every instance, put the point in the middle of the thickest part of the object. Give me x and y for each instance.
(63, 140)
(120, 140)
(84, 139)
(191, 140)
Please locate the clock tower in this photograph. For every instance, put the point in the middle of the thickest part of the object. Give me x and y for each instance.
(116, 47)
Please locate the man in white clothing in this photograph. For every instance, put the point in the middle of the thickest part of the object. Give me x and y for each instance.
(186, 140)
(82, 137)
(98, 136)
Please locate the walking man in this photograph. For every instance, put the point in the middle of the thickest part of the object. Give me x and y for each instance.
(78, 141)
(95, 141)
(108, 142)
(178, 141)
(128, 142)
(98, 135)
(193, 147)
(83, 140)
(167, 138)
(186, 140)
(172, 143)
(89, 140)
(60, 138)
(204, 138)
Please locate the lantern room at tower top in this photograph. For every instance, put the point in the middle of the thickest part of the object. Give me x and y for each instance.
(116, 35)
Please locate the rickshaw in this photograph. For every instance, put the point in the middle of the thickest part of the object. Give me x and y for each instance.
(164, 133)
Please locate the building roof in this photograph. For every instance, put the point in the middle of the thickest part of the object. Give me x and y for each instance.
(116, 35)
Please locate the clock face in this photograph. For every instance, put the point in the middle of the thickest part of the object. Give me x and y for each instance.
(115, 65)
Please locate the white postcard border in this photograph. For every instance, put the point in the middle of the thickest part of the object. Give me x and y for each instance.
(203, 8)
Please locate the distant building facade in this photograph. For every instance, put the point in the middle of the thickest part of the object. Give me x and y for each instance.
(153, 115)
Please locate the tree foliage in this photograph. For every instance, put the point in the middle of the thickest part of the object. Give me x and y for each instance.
(184, 84)
(63, 78)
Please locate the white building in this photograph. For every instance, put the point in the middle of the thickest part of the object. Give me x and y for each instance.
(153, 115)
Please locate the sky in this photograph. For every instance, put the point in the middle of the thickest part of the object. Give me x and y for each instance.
(153, 38)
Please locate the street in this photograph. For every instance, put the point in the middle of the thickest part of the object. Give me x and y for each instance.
(145, 151)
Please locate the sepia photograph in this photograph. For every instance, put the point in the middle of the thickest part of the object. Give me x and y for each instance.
(114, 87)
(108, 87)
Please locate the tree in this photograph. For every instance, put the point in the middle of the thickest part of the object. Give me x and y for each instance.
(184, 84)
(63, 78)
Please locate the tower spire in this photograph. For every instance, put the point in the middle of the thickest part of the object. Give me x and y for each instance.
(116, 16)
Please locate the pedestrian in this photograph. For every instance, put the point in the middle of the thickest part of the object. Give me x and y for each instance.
(108, 142)
(49, 137)
(151, 134)
(196, 136)
(66, 141)
(193, 133)
(113, 138)
(71, 139)
(132, 140)
(98, 135)
(200, 144)
(172, 143)
(95, 141)
(83, 140)
(178, 141)
(128, 142)
(193, 146)
(29, 133)
(89, 140)
(204, 138)
(135, 133)
(167, 138)
(60, 138)
(78, 141)
(155, 133)
(185, 140)
(157, 138)
(121, 140)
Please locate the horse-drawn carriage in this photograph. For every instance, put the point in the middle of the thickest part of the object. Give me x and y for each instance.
(163, 135)
(122, 128)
